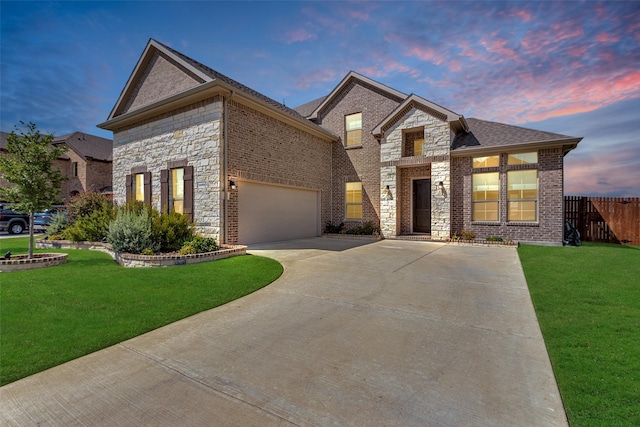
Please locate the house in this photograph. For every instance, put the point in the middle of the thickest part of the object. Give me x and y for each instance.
(248, 169)
(86, 164)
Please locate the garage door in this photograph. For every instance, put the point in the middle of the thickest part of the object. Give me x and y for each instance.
(269, 213)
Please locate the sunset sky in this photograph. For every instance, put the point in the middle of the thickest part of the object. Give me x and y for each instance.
(566, 67)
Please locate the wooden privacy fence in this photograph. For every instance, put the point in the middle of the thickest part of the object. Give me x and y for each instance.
(605, 219)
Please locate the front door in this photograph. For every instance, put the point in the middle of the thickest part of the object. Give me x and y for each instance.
(422, 206)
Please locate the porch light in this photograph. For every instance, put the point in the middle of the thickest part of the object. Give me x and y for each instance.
(232, 184)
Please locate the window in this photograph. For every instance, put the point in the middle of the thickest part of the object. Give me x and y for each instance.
(176, 190)
(353, 196)
(138, 193)
(522, 158)
(353, 127)
(486, 162)
(74, 168)
(138, 186)
(417, 146)
(522, 195)
(486, 196)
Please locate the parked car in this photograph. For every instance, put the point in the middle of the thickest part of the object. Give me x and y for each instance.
(13, 222)
(42, 219)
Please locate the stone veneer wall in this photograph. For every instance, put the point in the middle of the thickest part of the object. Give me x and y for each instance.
(191, 133)
(436, 146)
(548, 228)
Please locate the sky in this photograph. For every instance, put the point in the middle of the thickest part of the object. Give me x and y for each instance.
(567, 67)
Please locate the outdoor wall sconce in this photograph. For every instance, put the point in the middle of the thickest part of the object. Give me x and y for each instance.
(232, 184)
(442, 189)
(386, 193)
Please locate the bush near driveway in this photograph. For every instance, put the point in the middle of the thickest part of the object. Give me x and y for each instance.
(587, 300)
(53, 315)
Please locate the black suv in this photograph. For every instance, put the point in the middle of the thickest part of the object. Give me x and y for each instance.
(13, 222)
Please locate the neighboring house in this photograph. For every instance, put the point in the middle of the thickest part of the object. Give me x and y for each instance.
(89, 167)
(87, 163)
(248, 169)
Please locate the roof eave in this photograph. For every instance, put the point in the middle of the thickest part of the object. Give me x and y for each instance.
(567, 145)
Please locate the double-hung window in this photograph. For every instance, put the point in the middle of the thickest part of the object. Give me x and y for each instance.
(486, 189)
(353, 128)
(486, 196)
(353, 196)
(522, 188)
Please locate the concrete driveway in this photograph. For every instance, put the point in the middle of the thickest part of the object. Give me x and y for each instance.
(390, 333)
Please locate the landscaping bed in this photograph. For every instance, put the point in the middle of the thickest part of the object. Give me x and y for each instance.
(137, 260)
(39, 260)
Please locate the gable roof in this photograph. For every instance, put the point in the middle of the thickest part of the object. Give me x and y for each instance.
(89, 147)
(206, 83)
(350, 77)
(415, 101)
(306, 109)
(486, 136)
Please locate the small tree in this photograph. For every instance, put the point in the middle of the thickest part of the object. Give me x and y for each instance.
(28, 166)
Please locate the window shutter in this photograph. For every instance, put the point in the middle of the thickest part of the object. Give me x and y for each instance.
(188, 191)
(164, 190)
(147, 188)
(128, 186)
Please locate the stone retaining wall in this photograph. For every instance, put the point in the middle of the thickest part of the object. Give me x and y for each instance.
(133, 260)
(21, 262)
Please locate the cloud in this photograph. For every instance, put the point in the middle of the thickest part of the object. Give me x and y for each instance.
(317, 77)
(300, 35)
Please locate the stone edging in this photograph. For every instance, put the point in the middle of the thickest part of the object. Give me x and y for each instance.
(40, 260)
(134, 260)
(477, 242)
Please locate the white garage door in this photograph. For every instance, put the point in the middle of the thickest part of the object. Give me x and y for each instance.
(269, 213)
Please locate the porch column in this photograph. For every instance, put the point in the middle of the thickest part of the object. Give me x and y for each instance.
(440, 200)
(388, 201)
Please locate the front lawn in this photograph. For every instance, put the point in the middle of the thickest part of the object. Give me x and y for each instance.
(53, 315)
(587, 300)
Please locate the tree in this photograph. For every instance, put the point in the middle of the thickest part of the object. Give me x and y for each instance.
(28, 166)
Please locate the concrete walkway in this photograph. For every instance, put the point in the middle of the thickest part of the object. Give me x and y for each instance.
(391, 333)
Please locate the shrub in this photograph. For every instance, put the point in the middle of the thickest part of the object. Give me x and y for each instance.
(172, 231)
(132, 231)
(494, 239)
(93, 227)
(84, 204)
(467, 235)
(187, 249)
(369, 228)
(203, 244)
(333, 229)
(58, 224)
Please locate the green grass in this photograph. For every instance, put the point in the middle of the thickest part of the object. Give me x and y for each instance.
(53, 315)
(588, 304)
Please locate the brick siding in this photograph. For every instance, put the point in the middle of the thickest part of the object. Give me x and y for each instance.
(548, 228)
(262, 148)
(357, 163)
